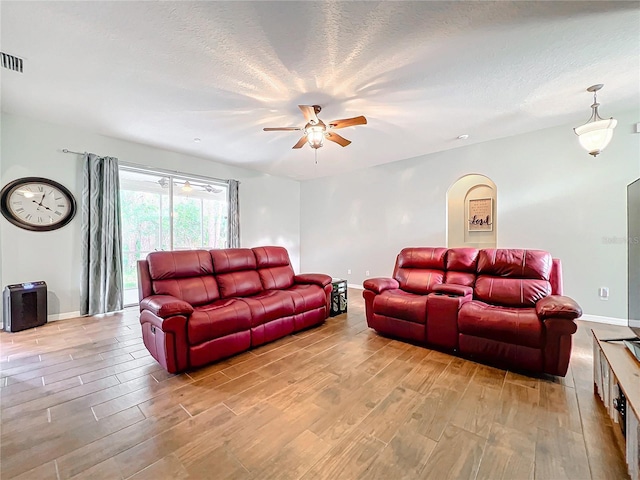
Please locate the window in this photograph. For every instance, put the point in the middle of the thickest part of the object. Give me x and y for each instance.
(162, 211)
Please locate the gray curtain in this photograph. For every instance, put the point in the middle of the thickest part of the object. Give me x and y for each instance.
(101, 289)
(234, 215)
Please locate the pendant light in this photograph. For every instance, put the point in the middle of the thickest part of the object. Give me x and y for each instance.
(596, 134)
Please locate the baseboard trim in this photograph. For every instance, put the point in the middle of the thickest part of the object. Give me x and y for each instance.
(609, 320)
(54, 317)
(357, 286)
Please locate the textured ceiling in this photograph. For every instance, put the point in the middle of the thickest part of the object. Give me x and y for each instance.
(422, 73)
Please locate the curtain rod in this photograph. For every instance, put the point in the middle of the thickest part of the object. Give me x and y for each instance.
(159, 170)
(64, 150)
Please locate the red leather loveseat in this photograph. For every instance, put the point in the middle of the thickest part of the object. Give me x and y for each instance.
(198, 306)
(501, 306)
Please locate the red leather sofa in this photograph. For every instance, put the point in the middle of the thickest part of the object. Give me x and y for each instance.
(198, 306)
(500, 306)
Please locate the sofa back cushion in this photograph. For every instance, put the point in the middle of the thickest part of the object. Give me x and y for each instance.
(274, 267)
(419, 269)
(185, 274)
(461, 264)
(235, 270)
(513, 277)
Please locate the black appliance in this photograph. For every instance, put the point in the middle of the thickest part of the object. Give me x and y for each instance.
(24, 305)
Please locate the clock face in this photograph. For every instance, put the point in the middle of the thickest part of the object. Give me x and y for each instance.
(37, 204)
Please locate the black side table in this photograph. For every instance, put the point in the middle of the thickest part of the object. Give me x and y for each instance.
(338, 297)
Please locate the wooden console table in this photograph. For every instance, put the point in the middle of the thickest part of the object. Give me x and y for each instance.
(614, 369)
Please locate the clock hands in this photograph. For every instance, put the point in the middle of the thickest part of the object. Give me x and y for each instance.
(39, 204)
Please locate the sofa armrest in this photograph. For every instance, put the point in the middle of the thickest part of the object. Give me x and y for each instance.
(165, 306)
(558, 306)
(453, 289)
(316, 278)
(380, 284)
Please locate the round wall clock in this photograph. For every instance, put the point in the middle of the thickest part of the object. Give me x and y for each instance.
(37, 204)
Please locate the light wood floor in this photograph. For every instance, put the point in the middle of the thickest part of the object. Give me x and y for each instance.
(82, 398)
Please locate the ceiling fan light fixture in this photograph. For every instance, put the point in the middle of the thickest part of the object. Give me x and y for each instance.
(596, 134)
(315, 136)
(187, 187)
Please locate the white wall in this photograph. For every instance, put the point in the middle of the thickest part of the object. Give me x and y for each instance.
(551, 195)
(269, 206)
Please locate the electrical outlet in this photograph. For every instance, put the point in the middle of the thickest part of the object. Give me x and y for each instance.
(348, 271)
(367, 273)
(603, 293)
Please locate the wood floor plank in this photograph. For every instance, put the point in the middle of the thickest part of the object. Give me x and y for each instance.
(107, 470)
(274, 436)
(405, 457)
(21, 411)
(561, 456)
(120, 440)
(385, 420)
(424, 375)
(489, 376)
(447, 462)
(138, 396)
(295, 458)
(233, 434)
(167, 467)
(432, 415)
(509, 454)
(558, 408)
(477, 408)
(219, 463)
(10, 399)
(348, 459)
(61, 443)
(154, 449)
(519, 407)
(46, 471)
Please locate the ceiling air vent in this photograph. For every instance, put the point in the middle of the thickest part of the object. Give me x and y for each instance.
(11, 62)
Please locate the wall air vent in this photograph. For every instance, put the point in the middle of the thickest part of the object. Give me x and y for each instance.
(11, 62)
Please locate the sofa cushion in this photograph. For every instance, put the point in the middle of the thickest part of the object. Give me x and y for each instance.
(273, 267)
(232, 260)
(269, 305)
(418, 269)
(179, 264)
(239, 284)
(271, 257)
(511, 292)
(461, 266)
(514, 263)
(402, 305)
(421, 257)
(218, 319)
(519, 326)
(513, 278)
(307, 297)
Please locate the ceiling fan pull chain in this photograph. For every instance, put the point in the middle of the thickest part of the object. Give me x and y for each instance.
(316, 155)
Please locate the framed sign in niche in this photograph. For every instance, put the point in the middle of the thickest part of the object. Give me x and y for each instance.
(480, 215)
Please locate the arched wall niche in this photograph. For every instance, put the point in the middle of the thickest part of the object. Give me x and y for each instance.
(470, 187)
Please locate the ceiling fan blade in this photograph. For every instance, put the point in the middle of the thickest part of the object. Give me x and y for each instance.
(309, 112)
(276, 129)
(348, 122)
(334, 137)
(301, 142)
